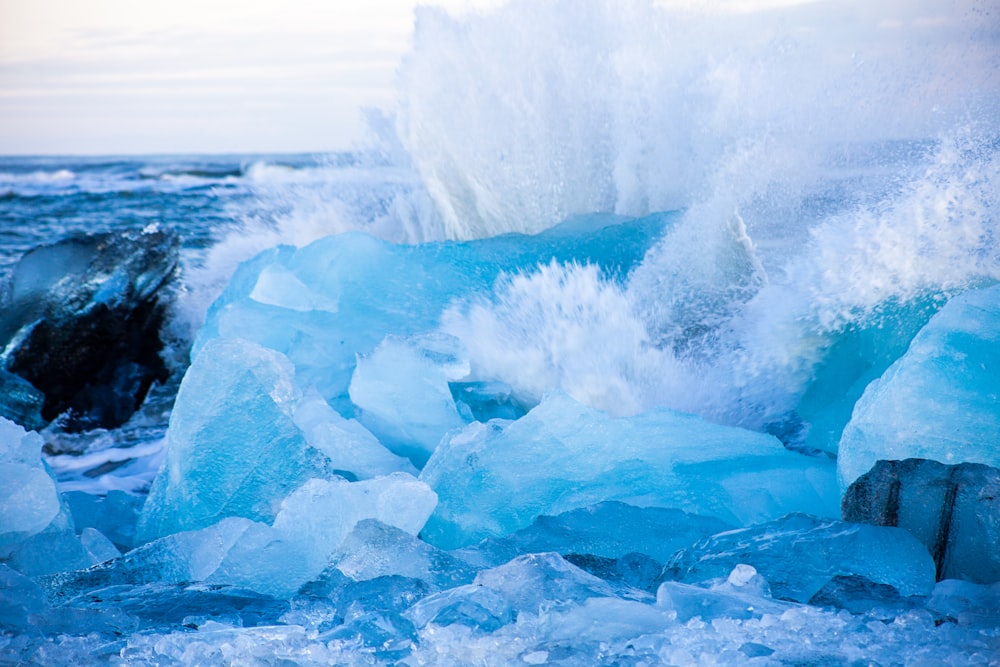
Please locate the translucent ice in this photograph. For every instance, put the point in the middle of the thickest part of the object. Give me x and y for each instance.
(799, 554)
(939, 400)
(28, 497)
(308, 530)
(233, 448)
(496, 478)
(608, 529)
(402, 394)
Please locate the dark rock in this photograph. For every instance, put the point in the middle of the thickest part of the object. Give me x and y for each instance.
(954, 510)
(80, 322)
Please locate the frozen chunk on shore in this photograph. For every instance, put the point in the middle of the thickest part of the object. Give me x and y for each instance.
(953, 510)
(402, 394)
(799, 554)
(233, 448)
(493, 479)
(940, 400)
(608, 530)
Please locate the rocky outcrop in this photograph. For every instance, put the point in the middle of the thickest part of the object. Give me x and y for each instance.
(954, 510)
(80, 322)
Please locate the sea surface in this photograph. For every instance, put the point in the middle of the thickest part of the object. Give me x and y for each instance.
(592, 213)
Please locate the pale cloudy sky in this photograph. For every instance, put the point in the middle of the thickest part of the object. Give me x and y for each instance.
(137, 76)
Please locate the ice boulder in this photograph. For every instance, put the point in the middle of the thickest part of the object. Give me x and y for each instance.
(325, 304)
(799, 554)
(81, 323)
(608, 530)
(402, 393)
(940, 400)
(496, 478)
(36, 528)
(243, 436)
(954, 510)
(233, 448)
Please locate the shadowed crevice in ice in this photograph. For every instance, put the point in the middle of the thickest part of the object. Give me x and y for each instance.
(81, 323)
(954, 510)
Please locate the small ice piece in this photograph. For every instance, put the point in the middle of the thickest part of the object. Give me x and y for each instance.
(497, 596)
(609, 530)
(799, 554)
(967, 603)
(374, 549)
(351, 448)
(496, 478)
(36, 527)
(938, 401)
(233, 448)
(402, 394)
(954, 510)
(29, 500)
(729, 601)
(312, 525)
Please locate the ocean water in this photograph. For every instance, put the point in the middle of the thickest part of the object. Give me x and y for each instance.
(585, 224)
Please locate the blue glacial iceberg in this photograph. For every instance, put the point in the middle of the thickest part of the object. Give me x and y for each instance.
(495, 478)
(939, 401)
(799, 554)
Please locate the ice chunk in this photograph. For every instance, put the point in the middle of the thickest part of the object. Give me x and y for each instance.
(374, 549)
(337, 298)
(608, 529)
(312, 525)
(953, 510)
(233, 448)
(496, 597)
(36, 528)
(29, 500)
(799, 554)
(351, 449)
(495, 478)
(402, 393)
(99, 548)
(940, 400)
(732, 601)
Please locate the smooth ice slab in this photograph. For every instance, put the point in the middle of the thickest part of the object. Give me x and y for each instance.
(940, 400)
(799, 554)
(495, 478)
(608, 530)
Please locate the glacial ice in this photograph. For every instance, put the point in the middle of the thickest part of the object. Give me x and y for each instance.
(402, 393)
(953, 510)
(939, 400)
(799, 554)
(493, 479)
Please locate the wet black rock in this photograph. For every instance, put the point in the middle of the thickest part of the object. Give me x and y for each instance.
(80, 322)
(954, 510)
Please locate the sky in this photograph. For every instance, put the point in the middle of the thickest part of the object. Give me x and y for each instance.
(103, 77)
(197, 76)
